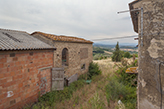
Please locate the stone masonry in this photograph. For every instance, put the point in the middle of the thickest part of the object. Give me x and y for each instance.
(23, 74)
(75, 54)
(79, 53)
(151, 55)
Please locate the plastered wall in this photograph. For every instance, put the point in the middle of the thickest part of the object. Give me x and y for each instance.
(151, 55)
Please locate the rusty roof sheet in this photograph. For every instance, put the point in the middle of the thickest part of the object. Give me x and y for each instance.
(63, 38)
(132, 70)
(20, 40)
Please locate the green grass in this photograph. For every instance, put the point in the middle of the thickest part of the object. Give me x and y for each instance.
(122, 87)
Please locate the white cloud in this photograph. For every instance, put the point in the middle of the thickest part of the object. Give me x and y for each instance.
(89, 19)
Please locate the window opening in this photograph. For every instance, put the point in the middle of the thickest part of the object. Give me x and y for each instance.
(65, 57)
(83, 67)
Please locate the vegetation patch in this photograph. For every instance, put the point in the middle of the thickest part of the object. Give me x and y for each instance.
(93, 70)
(100, 53)
(122, 86)
(118, 54)
(49, 99)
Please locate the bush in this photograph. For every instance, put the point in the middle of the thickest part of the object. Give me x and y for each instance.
(93, 70)
(127, 55)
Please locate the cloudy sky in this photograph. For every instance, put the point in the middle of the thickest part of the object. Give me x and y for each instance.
(89, 19)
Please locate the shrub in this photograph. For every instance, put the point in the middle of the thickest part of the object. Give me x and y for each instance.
(93, 70)
(127, 55)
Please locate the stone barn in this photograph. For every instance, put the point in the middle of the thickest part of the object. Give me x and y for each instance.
(148, 22)
(72, 53)
(25, 68)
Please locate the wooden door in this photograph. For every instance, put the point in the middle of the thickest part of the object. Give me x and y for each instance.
(57, 78)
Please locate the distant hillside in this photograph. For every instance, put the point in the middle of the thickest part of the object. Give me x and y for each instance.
(128, 47)
(123, 46)
(104, 46)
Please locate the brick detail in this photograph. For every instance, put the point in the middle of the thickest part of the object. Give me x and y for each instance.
(20, 77)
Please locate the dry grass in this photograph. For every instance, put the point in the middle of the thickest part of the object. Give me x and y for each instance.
(91, 96)
(106, 66)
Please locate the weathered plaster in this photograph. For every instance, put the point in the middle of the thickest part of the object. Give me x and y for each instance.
(145, 104)
(155, 47)
(143, 83)
(151, 55)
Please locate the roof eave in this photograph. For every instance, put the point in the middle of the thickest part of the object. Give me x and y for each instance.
(89, 42)
(27, 49)
(134, 17)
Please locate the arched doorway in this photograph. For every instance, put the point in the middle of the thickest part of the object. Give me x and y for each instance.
(65, 57)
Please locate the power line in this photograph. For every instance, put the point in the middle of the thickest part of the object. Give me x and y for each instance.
(157, 33)
(114, 38)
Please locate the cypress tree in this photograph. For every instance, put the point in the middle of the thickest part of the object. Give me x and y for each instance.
(117, 54)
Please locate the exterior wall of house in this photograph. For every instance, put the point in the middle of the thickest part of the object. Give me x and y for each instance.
(78, 53)
(151, 55)
(23, 76)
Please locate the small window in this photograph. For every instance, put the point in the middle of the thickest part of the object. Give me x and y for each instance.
(83, 67)
(12, 55)
(31, 53)
(65, 57)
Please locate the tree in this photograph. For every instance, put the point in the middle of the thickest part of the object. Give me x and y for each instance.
(127, 55)
(117, 54)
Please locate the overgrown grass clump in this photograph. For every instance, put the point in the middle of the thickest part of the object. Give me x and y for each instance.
(116, 90)
(59, 96)
(122, 86)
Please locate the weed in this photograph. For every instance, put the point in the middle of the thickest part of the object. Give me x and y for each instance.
(122, 86)
(96, 102)
(76, 100)
(59, 96)
(93, 70)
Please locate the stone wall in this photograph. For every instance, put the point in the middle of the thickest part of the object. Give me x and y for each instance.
(78, 53)
(151, 55)
(23, 74)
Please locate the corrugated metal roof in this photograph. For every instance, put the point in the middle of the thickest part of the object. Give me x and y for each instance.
(20, 40)
(63, 38)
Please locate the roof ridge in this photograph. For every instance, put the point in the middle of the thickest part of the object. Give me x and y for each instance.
(59, 37)
(14, 30)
